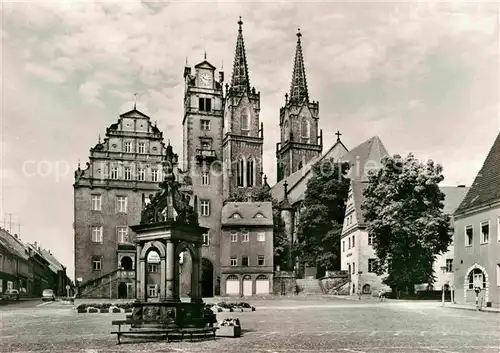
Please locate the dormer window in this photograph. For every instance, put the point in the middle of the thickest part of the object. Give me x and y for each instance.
(259, 215)
(236, 215)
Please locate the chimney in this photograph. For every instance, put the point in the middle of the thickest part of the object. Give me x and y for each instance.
(15, 236)
(36, 245)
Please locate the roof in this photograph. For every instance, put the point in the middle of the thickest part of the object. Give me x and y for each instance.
(54, 264)
(278, 190)
(14, 245)
(247, 214)
(486, 187)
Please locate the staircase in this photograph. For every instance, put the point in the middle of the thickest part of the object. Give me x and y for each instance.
(100, 287)
(309, 286)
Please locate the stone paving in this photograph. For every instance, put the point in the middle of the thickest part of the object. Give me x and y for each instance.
(286, 325)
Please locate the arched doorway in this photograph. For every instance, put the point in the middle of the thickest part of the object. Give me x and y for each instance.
(122, 291)
(207, 278)
(232, 285)
(367, 289)
(247, 286)
(152, 273)
(262, 285)
(126, 263)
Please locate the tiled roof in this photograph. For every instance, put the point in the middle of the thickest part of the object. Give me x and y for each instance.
(365, 157)
(247, 214)
(486, 186)
(13, 244)
(278, 190)
(54, 264)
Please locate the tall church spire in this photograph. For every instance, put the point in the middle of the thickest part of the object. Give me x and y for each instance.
(298, 87)
(240, 80)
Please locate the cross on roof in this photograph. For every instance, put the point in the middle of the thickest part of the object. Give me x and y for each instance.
(135, 100)
(338, 135)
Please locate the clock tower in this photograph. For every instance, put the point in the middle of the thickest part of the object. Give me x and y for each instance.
(202, 151)
(243, 132)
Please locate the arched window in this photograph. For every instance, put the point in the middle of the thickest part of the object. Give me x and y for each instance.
(287, 131)
(477, 279)
(245, 122)
(232, 278)
(250, 172)
(240, 172)
(261, 277)
(305, 129)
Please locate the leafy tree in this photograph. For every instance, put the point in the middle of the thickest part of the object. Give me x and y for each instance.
(403, 209)
(281, 244)
(320, 223)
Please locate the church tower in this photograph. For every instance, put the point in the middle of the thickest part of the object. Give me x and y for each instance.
(202, 151)
(243, 132)
(300, 139)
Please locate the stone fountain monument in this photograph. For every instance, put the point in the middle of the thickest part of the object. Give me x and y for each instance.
(169, 226)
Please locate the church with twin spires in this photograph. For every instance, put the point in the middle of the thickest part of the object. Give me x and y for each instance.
(222, 156)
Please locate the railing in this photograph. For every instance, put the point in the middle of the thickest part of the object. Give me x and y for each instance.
(205, 153)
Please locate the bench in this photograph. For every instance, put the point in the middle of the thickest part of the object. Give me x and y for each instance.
(161, 332)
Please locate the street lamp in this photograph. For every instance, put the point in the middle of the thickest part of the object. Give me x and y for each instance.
(443, 268)
(359, 284)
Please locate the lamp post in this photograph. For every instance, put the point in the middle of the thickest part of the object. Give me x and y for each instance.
(359, 284)
(443, 268)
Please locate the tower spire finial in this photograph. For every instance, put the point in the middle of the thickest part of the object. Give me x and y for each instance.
(240, 81)
(298, 87)
(135, 101)
(205, 54)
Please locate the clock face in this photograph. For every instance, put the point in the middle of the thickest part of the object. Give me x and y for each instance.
(205, 79)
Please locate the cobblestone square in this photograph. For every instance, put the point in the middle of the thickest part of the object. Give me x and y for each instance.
(291, 325)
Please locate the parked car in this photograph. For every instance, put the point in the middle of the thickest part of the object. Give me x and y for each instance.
(48, 294)
(11, 294)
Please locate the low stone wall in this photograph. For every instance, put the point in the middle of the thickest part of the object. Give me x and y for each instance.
(288, 278)
(337, 282)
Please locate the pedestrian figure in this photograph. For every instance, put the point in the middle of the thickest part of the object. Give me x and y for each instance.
(381, 295)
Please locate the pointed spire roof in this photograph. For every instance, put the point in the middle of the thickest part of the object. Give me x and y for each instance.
(486, 187)
(240, 80)
(298, 87)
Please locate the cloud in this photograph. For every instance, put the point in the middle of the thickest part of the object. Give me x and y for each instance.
(90, 92)
(46, 73)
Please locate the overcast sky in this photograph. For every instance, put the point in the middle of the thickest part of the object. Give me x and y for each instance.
(423, 77)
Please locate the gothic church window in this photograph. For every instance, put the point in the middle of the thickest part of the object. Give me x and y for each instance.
(287, 131)
(305, 129)
(240, 172)
(250, 173)
(245, 122)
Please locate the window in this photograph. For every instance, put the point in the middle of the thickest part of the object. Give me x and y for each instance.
(205, 178)
(343, 246)
(245, 121)
(498, 274)
(449, 265)
(353, 242)
(234, 261)
(122, 233)
(205, 208)
(206, 239)
(261, 236)
(121, 204)
(96, 263)
(260, 260)
(205, 104)
(239, 173)
(469, 235)
(128, 147)
(152, 292)
(477, 279)
(498, 230)
(114, 173)
(234, 237)
(206, 145)
(128, 174)
(153, 268)
(96, 234)
(370, 239)
(305, 129)
(141, 147)
(205, 125)
(485, 232)
(244, 261)
(245, 236)
(349, 243)
(250, 173)
(236, 215)
(141, 175)
(353, 268)
(154, 175)
(372, 263)
(96, 203)
(259, 215)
